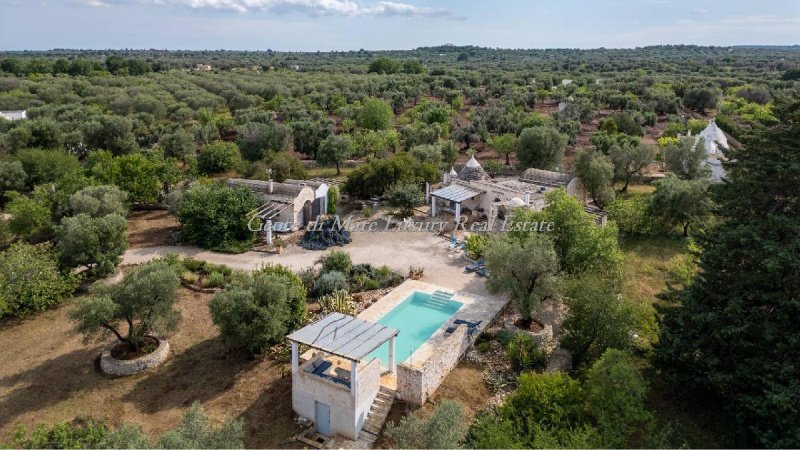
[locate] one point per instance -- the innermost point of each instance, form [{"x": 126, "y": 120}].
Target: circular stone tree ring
[{"x": 124, "y": 367}]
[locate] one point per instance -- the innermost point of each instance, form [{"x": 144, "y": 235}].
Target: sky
[{"x": 325, "y": 25}]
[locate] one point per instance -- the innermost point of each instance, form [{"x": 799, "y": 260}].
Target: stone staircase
[{"x": 377, "y": 416}]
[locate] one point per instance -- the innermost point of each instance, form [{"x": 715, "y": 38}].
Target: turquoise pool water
[{"x": 417, "y": 317}]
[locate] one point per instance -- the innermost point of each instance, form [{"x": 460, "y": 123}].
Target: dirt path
[{"x": 396, "y": 250}]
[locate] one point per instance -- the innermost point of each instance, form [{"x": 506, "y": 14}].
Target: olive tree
[
  {"x": 96, "y": 243},
  {"x": 375, "y": 114},
  {"x": 597, "y": 174},
  {"x": 446, "y": 427},
  {"x": 540, "y": 147},
  {"x": 99, "y": 201},
  {"x": 524, "y": 269},
  {"x": 405, "y": 196},
  {"x": 141, "y": 305},
  {"x": 334, "y": 150}
]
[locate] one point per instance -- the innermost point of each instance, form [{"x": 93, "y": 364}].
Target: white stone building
[
  {"x": 286, "y": 206},
  {"x": 320, "y": 188},
  {"x": 14, "y": 115},
  {"x": 471, "y": 191},
  {"x": 336, "y": 386}
]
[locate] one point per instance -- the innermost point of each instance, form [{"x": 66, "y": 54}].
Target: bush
[
  {"x": 476, "y": 245},
  {"x": 336, "y": 260},
  {"x": 196, "y": 430},
  {"x": 324, "y": 234},
  {"x": 333, "y": 199},
  {"x": 340, "y": 302},
  {"x": 45, "y": 166},
  {"x": 80, "y": 433},
  {"x": 218, "y": 157},
  {"x": 257, "y": 311},
  {"x": 214, "y": 279},
  {"x": 330, "y": 282},
  {"x": 215, "y": 217},
  {"x": 552, "y": 400},
  {"x": 524, "y": 354},
  {"x": 31, "y": 216},
  {"x": 30, "y": 280},
  {"x": 446, "y": 427},
  {"x": 12, "y": 177},
  {"x": 95, "y": 243}
]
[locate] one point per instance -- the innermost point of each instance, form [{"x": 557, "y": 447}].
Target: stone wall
[
  {"x": 120, "y": 367},
  {"x": 415, "y": 384}
]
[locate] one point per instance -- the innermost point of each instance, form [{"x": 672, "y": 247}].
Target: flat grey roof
[
  {"x": 456, "y": 193},
  {"x": 344, "y": 336}
]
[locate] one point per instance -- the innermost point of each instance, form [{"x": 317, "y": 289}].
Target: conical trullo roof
[
  {"x": 714, "y": 138},
  {"x": 472, "y": 170}
]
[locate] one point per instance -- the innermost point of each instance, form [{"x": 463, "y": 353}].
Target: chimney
[
  {"x": 269, "y": 186},
  {"x": 445, "y": 177},
  {"x": 527, "y": 198}
]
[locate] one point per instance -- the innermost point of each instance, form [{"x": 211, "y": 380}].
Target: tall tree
[
  {"x": 735, "y": 334},
  {"x": 597, "y": 174},
  {"x": 541, "y": 147},
  {"x": 334, "y": 150},
  {"x": 629, "y": 160},
  {"x": 681, "y": 202},
  {"x": 685, "y": 159}
]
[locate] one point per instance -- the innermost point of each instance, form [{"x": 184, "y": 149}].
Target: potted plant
[
  {"x": 278, "y": 244},
  {"x": 415, "y": 272}
]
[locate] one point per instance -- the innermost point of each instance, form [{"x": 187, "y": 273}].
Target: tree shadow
[
  {"x": 200, "y": 373},
  {"x": 269, "y": 420},
  {"x": 51, "y": 382}
]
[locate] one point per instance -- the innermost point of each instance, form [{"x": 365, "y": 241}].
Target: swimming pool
[{"x": 417, "y": 317}]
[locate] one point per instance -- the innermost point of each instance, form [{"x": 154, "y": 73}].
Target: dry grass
[
  {"x": 47, "y": 375},
  {"x": 150, "y": 228},
  {"x": 645, "y": 265}
]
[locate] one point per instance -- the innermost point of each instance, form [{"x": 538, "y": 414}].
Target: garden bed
[{"x": 119, "y": 360}]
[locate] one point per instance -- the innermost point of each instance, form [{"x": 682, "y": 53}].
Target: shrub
[
  {"x": 476, "y": 245},
  {"x": 405, "y": 196},
  {"x": 12, "y": 177},
  {"x": 196, "y": 430},
  {"x": 330, "y": 282},
  {"x": 552, "y": 400},
  {"x": 215, "y": 217},
  {"x": 214, "y": 279},
  {"x": 336, "y": 260},
  {"x": 30, "y": 280},
  {"x": 31, "y": 216},
  {"x": 340, "y": 302},
  {"x": 45, "y": 166},
  {"x": 143, "y": 304},
  {"x": 324, "y": 234},
  {"x": 446, "y": 427},
  {"x": 95, "y": 243},
  {"x": 524, "y": 354},
  {"x": 333, "y": 199},
  {"x": 80, "y": 433},
  {"x": 189, "y": 277},
  {"x": 257, "y": 311}
]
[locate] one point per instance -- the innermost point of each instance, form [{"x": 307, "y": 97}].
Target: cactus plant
[{"x": 340, "y": 301}]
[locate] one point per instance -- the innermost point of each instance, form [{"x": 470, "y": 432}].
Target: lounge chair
[
  {"x": 474, "y": 266},
  {"x": 482, "y": 272},
  {"x": 320, "y": 369},
  {"x": 472, "y": 327}
]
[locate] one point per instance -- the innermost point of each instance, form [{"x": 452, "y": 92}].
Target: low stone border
[
  {"x": 200, "y": 289},
  {"x": 120, "y": 367}
]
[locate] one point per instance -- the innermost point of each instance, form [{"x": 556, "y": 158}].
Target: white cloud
[{"x": 310, "y": 7}]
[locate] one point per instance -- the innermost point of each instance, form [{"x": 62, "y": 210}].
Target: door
[{"x": 322, "y": 418}]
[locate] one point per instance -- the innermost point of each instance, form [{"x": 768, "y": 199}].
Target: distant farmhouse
[
  {"x": 202, "y": 67},
  {"x": 14, "y": 115}
]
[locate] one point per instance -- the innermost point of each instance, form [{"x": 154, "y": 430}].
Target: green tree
[
  {"x": 700, "y": 98},
  {"x": 94, "y": 243},
  {"x": 44, "y": 166},
  {"x": 285, "y": 166},
  {"x": 681, "y": 202},
  {"x": 112, "y": 133},
  {"x": 540, "y": 147},
  {"x": 307, "y": 135},
  {"x": 196, "y": 430},
  {"x": 145, "y": 177},
  {"x": 218, "y": 157},
  {"x": 616, "y": 394},
  {"x": 598, "y": 317},
  {"x": 383, "y": 65},
  {"x": 733, "y": 335},
  {"x": 179, "y": 144},
  {"x": 30, "y": 216},
  {"x": 552, "y": 400},
  {"x": 596, "y": 172},
  {"x": 142, "y": 305},
  {"x": 98, "y": 201},
  {"x": 215, "y": 217},
  {"x": 629, "y": 160},
  {"x": 427, "y": 153},
  {"x": 406, "y": 197},
  {"x": 30, "y": 280},
  {"x": 686, "y": 159},
  {"x": 256, "y": 312},
  {"x": 632, "y": 215},
  {"x": 375, "y": 114},
  {"x": 333, "y": 199},
  {"x": 504, "y": 144},
  {"x": 524, "y": 269},
  {"x": 334, "y": 150},
  {"x": 580, "y": 244},
  {"x": 255, "y": 140},
  {"x": 336, "y": 260},
  {"x": 12, "y": 177},
  {"x": 445, "y": 427}
]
